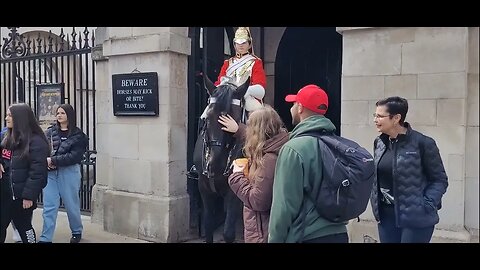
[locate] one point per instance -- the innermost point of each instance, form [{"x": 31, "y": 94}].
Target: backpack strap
[
  {"x": 306, "y": 192},
  {"x": 316, "y": 134}
]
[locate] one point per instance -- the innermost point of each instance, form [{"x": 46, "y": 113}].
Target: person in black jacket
[
  {"x": 15, "y": 236},
  {"x": 68, "y": 144},
  {"x": 410, "y": 178},
  {"x": 23, "y": 171}
]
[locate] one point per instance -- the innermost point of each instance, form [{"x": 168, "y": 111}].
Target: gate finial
[{"x": 15, "y": 46}]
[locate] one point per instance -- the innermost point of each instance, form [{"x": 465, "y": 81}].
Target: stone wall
[
  {"x": 472, "y": 137},
  {"x": 141, "y": 184},
  {"x": 436, "y": 69}
]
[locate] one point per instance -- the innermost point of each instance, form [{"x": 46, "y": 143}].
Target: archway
[{"x": 309, "y": 55}]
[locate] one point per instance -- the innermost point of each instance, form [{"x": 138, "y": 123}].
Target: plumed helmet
[{"x": 242, "y": 35}]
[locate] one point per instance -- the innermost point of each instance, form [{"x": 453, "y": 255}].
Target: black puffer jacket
[
  {"x": 419, "y": 179},
  {"x": 71, "y": 150},
  {"x": 27, "y": 176}
]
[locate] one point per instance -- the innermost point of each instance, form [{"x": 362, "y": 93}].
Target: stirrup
[{"x": 192, "y": 173}]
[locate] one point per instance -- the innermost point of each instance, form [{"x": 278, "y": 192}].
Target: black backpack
[{"x": 348, "y": 171}]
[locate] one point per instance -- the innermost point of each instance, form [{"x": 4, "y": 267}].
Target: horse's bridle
[{"x": 207, "y": 144}]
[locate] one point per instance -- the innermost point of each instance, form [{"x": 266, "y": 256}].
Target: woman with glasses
[{"x": 410, "y": 178}]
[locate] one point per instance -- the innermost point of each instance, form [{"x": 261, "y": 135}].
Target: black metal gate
[
  {"x": 39, "y": 58},
  {"x": 207, "y": 56}
]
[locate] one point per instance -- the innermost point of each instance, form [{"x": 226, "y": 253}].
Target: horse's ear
[
  {"x": 209, "y": 86},
  {"x": 242, "y": 89}
]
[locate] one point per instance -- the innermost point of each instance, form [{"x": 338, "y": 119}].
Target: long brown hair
[
  {"x": 262, "y": 125},
  {"x": 24, "y": 126}
]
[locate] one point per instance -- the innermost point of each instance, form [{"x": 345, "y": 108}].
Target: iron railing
[{"x": 39, "y": 58}]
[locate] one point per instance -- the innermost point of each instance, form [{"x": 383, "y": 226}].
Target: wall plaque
[{"x": 135, "y": 94}]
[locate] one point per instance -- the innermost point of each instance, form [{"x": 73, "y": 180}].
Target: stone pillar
[
  {"x": 427, "y": 66},
  {"x": 472, "y": 138},
  {"x": 141, "y": 186}
]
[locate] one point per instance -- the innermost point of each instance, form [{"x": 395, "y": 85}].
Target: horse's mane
[{"x": 224, "y": 95}]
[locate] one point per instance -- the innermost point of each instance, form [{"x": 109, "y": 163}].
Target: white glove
[
  {"x": 253, "y": 93},
  {"x": 252, "y": 104},
  {"x": 256, "y": 91},
  {"x": 226, "y": 79}
]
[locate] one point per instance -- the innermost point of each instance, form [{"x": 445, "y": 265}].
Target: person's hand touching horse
[{"x": 230, "y": 125}]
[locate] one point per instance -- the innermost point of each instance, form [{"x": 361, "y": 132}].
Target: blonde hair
[{"x": 262, "y": 125}]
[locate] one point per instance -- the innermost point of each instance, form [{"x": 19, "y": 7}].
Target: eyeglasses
[{"x": 380, "y": 116}]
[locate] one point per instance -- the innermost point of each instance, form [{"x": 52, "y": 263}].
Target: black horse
[{"x": 214, "y": 152}]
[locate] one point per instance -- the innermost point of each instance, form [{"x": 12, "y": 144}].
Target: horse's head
[{"x": 225, "y": 99}]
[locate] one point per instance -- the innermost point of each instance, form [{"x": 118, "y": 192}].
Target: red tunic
[{"x": 257, "y": 76}]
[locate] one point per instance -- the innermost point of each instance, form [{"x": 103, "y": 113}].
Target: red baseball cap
[{"x": 311, "y": 97}]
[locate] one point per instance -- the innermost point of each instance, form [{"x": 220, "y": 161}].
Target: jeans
[
  {"x": 390, "y": 233},
  {"x": 64, "y": 183}
]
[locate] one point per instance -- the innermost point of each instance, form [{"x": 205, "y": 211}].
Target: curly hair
[{"x": 262, "y": 125}]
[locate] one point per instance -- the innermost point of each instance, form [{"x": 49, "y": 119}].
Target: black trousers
[
  {"x": 333, "y": 238},
  {"x": 13, "y": 210}
]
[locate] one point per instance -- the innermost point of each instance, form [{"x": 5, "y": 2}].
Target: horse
[{"x": 214, "y": 152}]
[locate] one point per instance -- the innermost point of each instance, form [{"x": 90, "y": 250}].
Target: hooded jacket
[{"x": 299, "y": 169}]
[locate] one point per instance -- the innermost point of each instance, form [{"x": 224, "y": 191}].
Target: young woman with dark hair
[
  {"x": 23, "y": 170},
  {"x": 68, "y": 144}
]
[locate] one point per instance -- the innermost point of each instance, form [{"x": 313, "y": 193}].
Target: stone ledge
[
  {"x": 97, "y": 203},
  {"x": 162, "y": 42},
  {"x": 97, "y": 53},
  {"x": 146, "y": 217},
  {"x": 444, "y": 236},
  {"x": 344, "y": 29}
]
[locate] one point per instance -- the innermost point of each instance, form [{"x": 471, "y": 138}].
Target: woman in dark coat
[
  {"x": 410, "y": 179},
  {"x": 23, "y": 171},
  {"x": 68, "y": 144}
]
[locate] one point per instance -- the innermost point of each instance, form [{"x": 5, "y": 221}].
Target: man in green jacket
[{"x": 293, "y": 217}]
